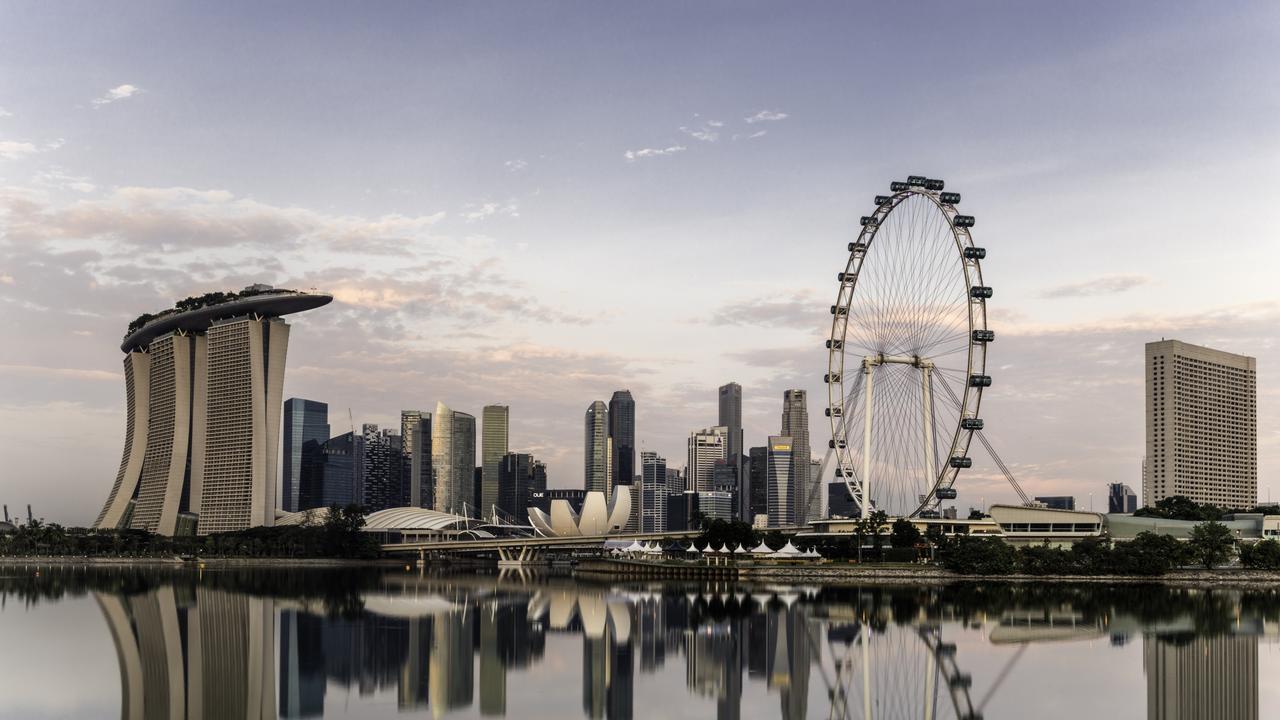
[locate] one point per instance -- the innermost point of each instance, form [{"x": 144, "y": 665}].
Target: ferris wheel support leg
[
  {"x": 926, "y": 395},
  {"x": 866, "y": 671},
  {"x": 865, "y": 481},
  {"x": 930, "y": 692}
]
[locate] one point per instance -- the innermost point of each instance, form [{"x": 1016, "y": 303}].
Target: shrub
[
  {"x": 977, "y": 556},
  {"x": 1263, "y": 555}
]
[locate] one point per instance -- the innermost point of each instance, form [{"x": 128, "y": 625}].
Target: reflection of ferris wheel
[
  {"x": 907, "y": 353},
  {"x": 902, "y": 673}
]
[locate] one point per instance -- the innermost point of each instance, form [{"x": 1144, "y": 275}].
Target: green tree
[
  {"x": 1264, "y": 555},
  {"x": 971, "y": 555},
  {"x": 1179, "y": 507},
  {"x": 904, "y": 534},
  {"x": 1211, "y": 544}
]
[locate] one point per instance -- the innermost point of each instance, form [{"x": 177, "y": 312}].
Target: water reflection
[{"x": 265, "y": 645}]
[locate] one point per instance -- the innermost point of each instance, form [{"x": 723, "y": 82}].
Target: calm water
[{"x": 368, "y": 644}]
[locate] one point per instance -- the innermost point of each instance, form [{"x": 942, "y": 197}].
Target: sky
[{"x": 536, "y": 204}]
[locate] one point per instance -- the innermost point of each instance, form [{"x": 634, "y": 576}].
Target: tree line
[{"x": 336, "y": 535}]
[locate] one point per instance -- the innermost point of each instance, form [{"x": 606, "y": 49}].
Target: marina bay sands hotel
[{"x": 203, "y": 384}]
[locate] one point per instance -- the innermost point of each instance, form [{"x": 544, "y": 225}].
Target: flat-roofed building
[{"x": 1201, "y": 417}]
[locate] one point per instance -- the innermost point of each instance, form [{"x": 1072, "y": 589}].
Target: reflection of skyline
[
  {"x": 1201, "y": 677},
  {"x": 428, "y": 645}
]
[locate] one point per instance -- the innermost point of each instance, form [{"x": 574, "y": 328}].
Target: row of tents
[{"x": 653, "y": 549}]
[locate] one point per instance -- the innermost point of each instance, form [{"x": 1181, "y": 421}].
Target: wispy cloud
[
  {"x": 516, "y": 165},
  {"x": 766, "y": 116},
  {"x": 473, "y": 212},
  {"x": 708, "y": 131},
  {"x": 119, "y": 92},
  {"x": 1104, "y": 285},
  {"x": 5, "y": 113},
  {"x": 12, "y": 149},
  {"x": 633, "y": 155},
  {"x": 752, "y": 136}
]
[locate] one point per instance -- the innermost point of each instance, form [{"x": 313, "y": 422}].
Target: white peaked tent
[
  {"x": 762, "y": 549},
  {"x": 738, "y": 549},
  {"x": 722, "y": 550},
  {"x": 706, "y": 550},
  {"x": 788, "y": 550},
  {"x": 634, "y": 547},
  {"x": 811, "y": 553},
  {"x": 653, "y": 549}
]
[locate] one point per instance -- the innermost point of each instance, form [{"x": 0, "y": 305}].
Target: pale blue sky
[{"x": 458, "y": 175}]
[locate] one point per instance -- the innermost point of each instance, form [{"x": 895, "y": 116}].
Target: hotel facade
[{"x": 203, "y": 390}]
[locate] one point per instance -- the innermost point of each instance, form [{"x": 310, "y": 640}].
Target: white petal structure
[{"x": 598, "y": 517}]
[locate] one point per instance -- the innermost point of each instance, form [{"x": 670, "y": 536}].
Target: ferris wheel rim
[{"x": 975, "y": 352}]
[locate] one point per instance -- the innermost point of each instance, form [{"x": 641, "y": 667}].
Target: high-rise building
[
  {"x": 758, "y": 482},
  {"x": 1202, "y": 425},
  {"x": 705, "y": 448},
  {"x": 840, "y": 502},
  {"x": 385, "y": 470},
  {"x": 495, "y": 423},
  {"x": 453, "y": 459},
  {"x": 730, "y": 417},
  {"x": 782, "y": 491},
  {"x": 1058, "y": 502},
  {"x": 306, "y": 428},
  {"x": 203, "y": 386},
  {"x": 1121, "y": 498},
  {"x": 816, "y": 509},
  {"x": 795, "y": 425},
  {"x": 595, "y": 448},
  {"x": 653, "y": 492},
  {"x": 341, "y": 478},
  {"x": 515, "y": 478},
  {"x": 622, "y": 430},
  {"x": 675, "y": 481},
  {"x": 415, "y": 441}
]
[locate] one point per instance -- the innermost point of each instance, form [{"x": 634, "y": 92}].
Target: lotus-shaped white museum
[{"x": 597, "y": 518}]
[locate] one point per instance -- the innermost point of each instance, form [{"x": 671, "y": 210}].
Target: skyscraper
[
  {"x": 415, "y": 442},
  {"x": 306, "y": 428},
  {"x": 203, "y": 386},
  {"x": 384, "y": 470},
  {"x": 782, "y": 491},
  {"x": 495, "y": 422},
  {"x": 1121, "y": 498},
  {"x": 731, "y": 419},
  {"x": 1202, "y": 432},
  {"x": 622, "y": 430},
  {"x": 453, "y": 459},
  {"x": 341, "y": 477},
  {"x": 795, "y": 424},
  {"x": 653, "y": 492},
  {"x": 705, "y": 448},
  {"x": 515, "y": 478},
  {"x": 596, "y": 458},
  {"x": 758, "y": 482}
]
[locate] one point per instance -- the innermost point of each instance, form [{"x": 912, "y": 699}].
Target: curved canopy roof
[
  {"x": 413, "y": 518},
  {"x": 272, "y": 304}
]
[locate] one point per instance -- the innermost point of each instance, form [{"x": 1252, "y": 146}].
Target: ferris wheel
[{"x": 907, "y": 355}]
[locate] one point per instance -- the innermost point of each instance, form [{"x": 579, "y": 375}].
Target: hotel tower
[{"x": 203, "y": 386}]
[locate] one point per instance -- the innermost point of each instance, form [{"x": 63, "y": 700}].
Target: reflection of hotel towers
[
  {"x": 1204, "y": 677},
  {"x": 787, "y": 662},
  {"x": 204, "y": 657},
  {"x": 608, "y": 677}
]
